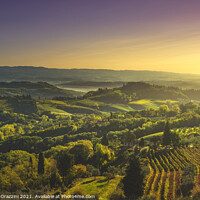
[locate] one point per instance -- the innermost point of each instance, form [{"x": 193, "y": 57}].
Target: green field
[
  {"x": 89, "y": 103},
  {"x": 61, "y": 107},
  {"x": 54, "y": 110},
  {"x": 96, "y": 186},
  {"x": 123, "y": 108},
  {"x": 147, "y": 103}
]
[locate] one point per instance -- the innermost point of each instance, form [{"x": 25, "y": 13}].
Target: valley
[{"x": 98, "y": 134}]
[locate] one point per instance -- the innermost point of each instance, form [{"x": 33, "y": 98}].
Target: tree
[
  {"x": 82, "y": 151},
  {"x": 31, "y": 162},
  {"x": 1, "y": 136},
  {"x": 10, "y": 180},
  {"x": 55, "y": 179},
  {"x": 141, "y": 142},
  {"x": 96, "y": 172},
  {"x": 92, "y": 171},
  {"x": 52, "y": 180},
  {"x": 155, "y": 140},
  {"x": 102, "y": 155},
  {"x": 108, "y": 175},
  {"x": 176, "y": 108},
  {"x": 187, "y": 181},
  {"x": 134, "y": 180},
  {"x": 117, "y": 194},
  {"x": 129, "y": 138},
  {"x": 175, "y": 138},
  {"x": 41, "y": 164},
  {"x": 66, "y": 138},
  {"x": 65, "y": 161},
  {"x": 30, "y": 169},
  {"x": 104, "y": 140},
  {"x": 163, "y": 110},
  {"x": 112, "y": 170},
  {"x": 166, "y": 135}
]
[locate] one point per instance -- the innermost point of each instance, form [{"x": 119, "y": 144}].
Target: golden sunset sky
[{"x": 159, "y": 35}]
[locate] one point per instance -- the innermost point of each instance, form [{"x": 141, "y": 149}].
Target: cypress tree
[
  {"x": 104, "y": 140},
  {"x": 30, "y": 168},
  {"x": 65, "y": 161},
  {"x": 53, "y": 179},
  {"x": 166, "y": 135},
  {"x": 30, "y": 162},
  {"x": 134, "y": 180},
  {"x": 41, "y": 164}
]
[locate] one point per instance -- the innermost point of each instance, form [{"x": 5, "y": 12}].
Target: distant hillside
[
  {"x": 86, "y": 86},
  {"x": 128, "y": 97},
  {"x": 27, "y": 73},
  {"x": 182, "y": 84},
  {"x": 134, "y": 91},
  {"x": 190, "y": 88},
  {"x": 92, "y": 84},
  {"x": 28, "y": 105},
  {"x": 147, "y": 91},
  {"x": 132, "y": 96},
  {"x": 18, "y": 104},
  {"x": 39, "y": 90}
]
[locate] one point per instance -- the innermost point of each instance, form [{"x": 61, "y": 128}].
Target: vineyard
[
  {"x": 166, "y": 169},
  {"x": 187, "y": 131}
]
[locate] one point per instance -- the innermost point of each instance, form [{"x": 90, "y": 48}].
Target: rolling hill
[
  {"x": 54, "y": 75},
  {"x": 131, "y": 96},
  {"x": 128, "y": 97},
  {"x": 38, "y": 89}
]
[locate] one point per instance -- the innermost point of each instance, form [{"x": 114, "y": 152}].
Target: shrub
[{"x": 117, "y": 194}]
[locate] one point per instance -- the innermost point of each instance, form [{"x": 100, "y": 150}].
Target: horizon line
[{"x": 75, "y": 68}]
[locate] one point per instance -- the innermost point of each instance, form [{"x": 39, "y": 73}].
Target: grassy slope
[
  {"x": 48, "y": 107},
  {"x": 131, "y": 106},
  {"x": 89, "y": 106},
  {"x": 88, "y": 103},
  {"x": 121, "y": 107},
  {"x": 105, "y": 107},
  {"x": 62, "y": 107},
  {"x": 147, "y": 103},
  {"x": 99, "y": 186},
  {"x": 134, "y": 105},
  {"x": 56, "y": 107},
  {"x": 132, "y": 96},
  {"x": 105, "y": 102}
]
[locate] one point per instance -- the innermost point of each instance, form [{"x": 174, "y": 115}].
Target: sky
[{"x": 158, "y": 35}]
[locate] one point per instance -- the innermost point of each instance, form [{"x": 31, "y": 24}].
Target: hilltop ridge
[{"x": 30, "y": 73}]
